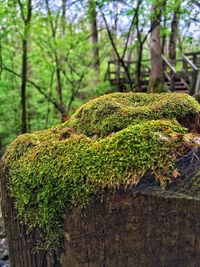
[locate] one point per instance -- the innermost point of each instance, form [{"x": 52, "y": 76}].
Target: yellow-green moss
[
  {"x": 110, "y": 113},
  {"x": 59, "y": 168}
]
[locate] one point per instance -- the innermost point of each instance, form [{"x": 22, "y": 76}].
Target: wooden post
[
  {"x": 21, "y": 244},
  {"x": 172, "y": 81}
]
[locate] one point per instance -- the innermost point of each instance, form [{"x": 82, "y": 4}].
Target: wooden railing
[
  {"x": 191, "y": 71},
  {"x": 169, "y": 72},
  {"x": 185, "y": 70},
  {"x": 194, "y": 57},
  {"x": 115, "y": 70}
]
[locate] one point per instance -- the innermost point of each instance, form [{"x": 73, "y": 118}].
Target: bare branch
[
  {"x": 21, "y": 10},
  {"x": 29, "y": 7},
  {"x": 130, "y": 28},
  {"x": 121, "y": 61},
  {"x": 53, "y": 28}
]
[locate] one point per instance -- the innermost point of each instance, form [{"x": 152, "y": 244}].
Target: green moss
[
  {"x": 111, "y": 113},
  {"x": 53, "y": 170}
]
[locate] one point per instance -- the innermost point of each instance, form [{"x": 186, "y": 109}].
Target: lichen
[{"x": 53, "y": 170}]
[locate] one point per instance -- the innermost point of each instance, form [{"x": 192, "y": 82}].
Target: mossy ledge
[{"x": 111, "y": 141}]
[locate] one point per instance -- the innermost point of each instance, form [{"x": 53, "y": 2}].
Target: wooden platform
[{"x": 183, "y": 76}]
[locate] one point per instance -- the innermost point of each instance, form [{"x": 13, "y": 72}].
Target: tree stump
[
  {"x": 117, "y": 185},
  {"x": 142, "y": 226}
]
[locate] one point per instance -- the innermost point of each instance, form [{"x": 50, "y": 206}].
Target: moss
[
  {"x": 56, "y": 169},
  {"x": 111, "y": 113}
]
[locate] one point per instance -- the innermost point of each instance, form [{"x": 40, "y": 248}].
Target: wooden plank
[
  {"x": 194, "y": 67},
  {"x": 169, "y": 64}
]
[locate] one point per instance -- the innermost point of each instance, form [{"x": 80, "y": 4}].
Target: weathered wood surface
[{"x": 134, "y": 230}]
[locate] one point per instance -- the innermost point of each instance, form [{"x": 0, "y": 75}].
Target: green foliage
[
  {"x": 75, "y": 73},
  {"x": 54, "y": 170},
  {"x": 9, "y": 114}
]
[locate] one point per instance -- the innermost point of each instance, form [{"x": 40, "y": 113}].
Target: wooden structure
[
  {"x": 182, "y": 76},
  {"x": 143, "y": 226}
]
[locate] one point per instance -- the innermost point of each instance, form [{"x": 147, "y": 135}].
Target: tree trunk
[
  {"x": 164, "y": 39},
  {"x": 23, "y": 87},
  {"x": 156, "y": 80},
  {"x": 63, "y": 18},
  {"x": 94, "y": 31},
  {"x": 174, "y": 36},
  {"x": 26, "y": 21},
  {"x": 59, "y": 82},
  {"x": 59, "y": 88},
  {"x": 139, "y": 66},
  {"x": 139, "y": 57}
]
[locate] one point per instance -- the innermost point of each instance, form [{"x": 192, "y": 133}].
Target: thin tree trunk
[
  {"x": 156, "y": 54},
  {"x": 139, "y": 57},
  {"x": 59, "y": 82},
  {"x": 164, "y": 39},
  {"x": 26, "y": 21},
  {"x": 64, "y": 8},
  {"x": 60, "y": 89},
  {"x": 139, "y": 66},
  {"x": 95, "y": 41},
  {"x": 131, "y": 50},
  {"x": 23, "y": 87},
  {"x": 174, "y": 35}
]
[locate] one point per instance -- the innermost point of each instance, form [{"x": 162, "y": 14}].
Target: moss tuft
[
  {"x": 114, "y": 112},
  {"x": 59, "y": 168}
]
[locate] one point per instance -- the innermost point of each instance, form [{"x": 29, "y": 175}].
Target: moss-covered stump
[{"x": 110, "y": 187}]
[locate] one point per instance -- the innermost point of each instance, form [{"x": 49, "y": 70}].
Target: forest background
[{"x": 54, "y": 54}]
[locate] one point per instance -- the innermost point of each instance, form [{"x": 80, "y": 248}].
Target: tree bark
[
  {"x": 174, "y": 35},
  {"x": 95, "y": 41},
  {"x": 164, "y": 39},
  {"x": 26, "y": 21},
  {"x": 139, "y": 66},
  {"x": 139, "y": 57},
  {"x": 23, "y": 87},
  {"x": 156, "y": 54}
]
